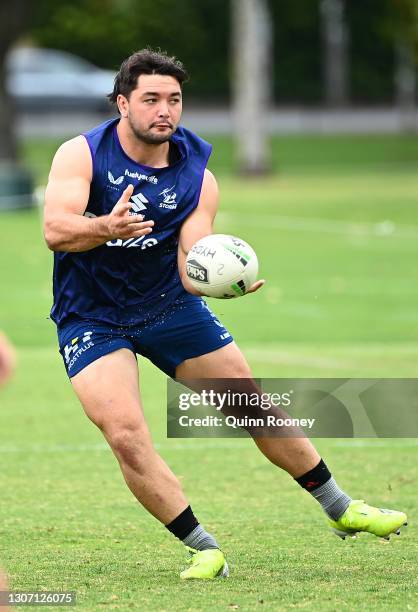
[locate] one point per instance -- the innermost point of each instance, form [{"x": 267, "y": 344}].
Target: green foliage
[
  {"x": 402, "y": 22},
  {"x": 107, "y": 31},
  {"x": 297, "y": 51},
  {"x": 372, "y": 57}
]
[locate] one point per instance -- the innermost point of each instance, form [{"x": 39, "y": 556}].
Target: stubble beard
[{"x": 147, "y": 136}]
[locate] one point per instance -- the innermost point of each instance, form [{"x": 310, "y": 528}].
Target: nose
[{"x": 163, "y": 109}]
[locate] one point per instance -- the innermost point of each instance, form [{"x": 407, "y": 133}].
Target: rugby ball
[{"x": 222, "y": 266}]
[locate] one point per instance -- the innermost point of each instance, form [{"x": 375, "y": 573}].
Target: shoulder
[
  {"x": 74, "y": 146},
  {"x": 73, "y": 157},
  {"x": 209, "y": 182},
  {"x": 209, "y": 194}
]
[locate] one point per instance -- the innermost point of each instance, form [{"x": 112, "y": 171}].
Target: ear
[{"x": 123, "y": 105}]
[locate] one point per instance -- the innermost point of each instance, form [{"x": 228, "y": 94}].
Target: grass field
[{"x": 336, "y": 232}]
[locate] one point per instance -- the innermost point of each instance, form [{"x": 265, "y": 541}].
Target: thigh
[
  {"x": 108, "y": 389},
  {"x": 226, "y": 362}
]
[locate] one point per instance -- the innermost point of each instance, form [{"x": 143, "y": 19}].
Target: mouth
[{"x": 162, "y": 125}]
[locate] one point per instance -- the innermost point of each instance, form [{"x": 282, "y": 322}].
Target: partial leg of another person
[
  {"x": 298, "y": 456},
  {"x": 109, "y": 392},
  {"x": 3, "y": 589}
]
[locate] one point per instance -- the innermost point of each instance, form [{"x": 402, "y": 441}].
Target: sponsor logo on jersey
[
  {"x": 225, "y": 336},
  {"x": 113, "y": 180},
  {"x": 196, "y": 271},
  {"x": 142, "y": 177},
  {"x": 138, "y": 202},
  {"x": 141, "y": 242}
]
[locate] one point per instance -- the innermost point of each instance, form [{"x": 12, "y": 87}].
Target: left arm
[{"x": 199, "y": 224}]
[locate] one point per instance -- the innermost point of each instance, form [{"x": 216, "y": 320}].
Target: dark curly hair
[{"x": 145, "y": 61}]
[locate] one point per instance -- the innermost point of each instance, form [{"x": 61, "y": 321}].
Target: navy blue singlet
[{"x": 126, "y": 282}]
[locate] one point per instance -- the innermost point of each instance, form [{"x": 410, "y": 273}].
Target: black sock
[
  {"x": 315, "y": 478},
  {"x": 187, "y": 528},
  {"x": 183, "y": 524}
]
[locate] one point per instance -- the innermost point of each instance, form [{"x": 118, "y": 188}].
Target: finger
[
  {"x": 135, "y": 225},
  {"x": 122, "y": 209},
  {"x": 128, "y": 232},
  {"x": 126, "y": 194},
  {"x": 256, "y": 286},
  {"x": 135, "y": 218},
  {"x": 141, "y": 232}
]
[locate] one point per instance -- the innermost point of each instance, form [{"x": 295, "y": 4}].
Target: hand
[
  {"x": 123, "y": 225},
  {"x": 7, "y": 359},
  {"x": 257, "y": 285}
]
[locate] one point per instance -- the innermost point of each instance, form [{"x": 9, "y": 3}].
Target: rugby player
[{"x": 125, "y": 203}]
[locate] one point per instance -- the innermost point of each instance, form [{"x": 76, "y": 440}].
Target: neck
[{"x": 154, "y": 155}]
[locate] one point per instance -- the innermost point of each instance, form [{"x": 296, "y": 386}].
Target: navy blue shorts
[{"x": 185, "y": 330}]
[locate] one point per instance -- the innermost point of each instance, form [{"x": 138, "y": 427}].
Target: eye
[{"x": 150, "y": 100}]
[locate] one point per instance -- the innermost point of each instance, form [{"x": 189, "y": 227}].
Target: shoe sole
[{"x": 223, "y": 572}]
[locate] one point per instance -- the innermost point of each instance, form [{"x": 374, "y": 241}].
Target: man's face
[{"x": 154, "y": 108}]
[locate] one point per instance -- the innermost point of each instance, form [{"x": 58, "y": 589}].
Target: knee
[
  {"x": 240, "y": 370},
  {"x": 131, "y": 446}
]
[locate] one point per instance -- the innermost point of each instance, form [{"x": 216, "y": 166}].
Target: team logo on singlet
[{"x": 169, "y": 198}]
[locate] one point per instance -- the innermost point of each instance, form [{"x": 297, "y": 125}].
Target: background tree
[
  {"x": 296, "y": 52},
  {"x": 107, "y": 31},
  {"x": 335, "y": 51},
  {"x": 15, "y": 184},
  {"x": 401, "y": 27},
  {"x": 251, "y": 78}
]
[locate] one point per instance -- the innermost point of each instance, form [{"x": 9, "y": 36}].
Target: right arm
[{"x": 66, "y": 198}]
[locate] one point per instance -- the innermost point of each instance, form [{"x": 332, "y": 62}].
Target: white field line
[
  {"x": 102, "y": 446},
  {"x": 201, "y": 444},
  {"x": 379, "y": 443},
  {"x": 381, "y": 229}
]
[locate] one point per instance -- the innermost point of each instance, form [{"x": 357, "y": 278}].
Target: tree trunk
[
  {"x": 8, "y": 144},
  {"x": 406, "y": 85},
  {"x": 251, "y": 52},
  {"x": 335, "y": 52},
  {"x": 13, "y": 18},
  {"x": 15, "y": 181}
]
